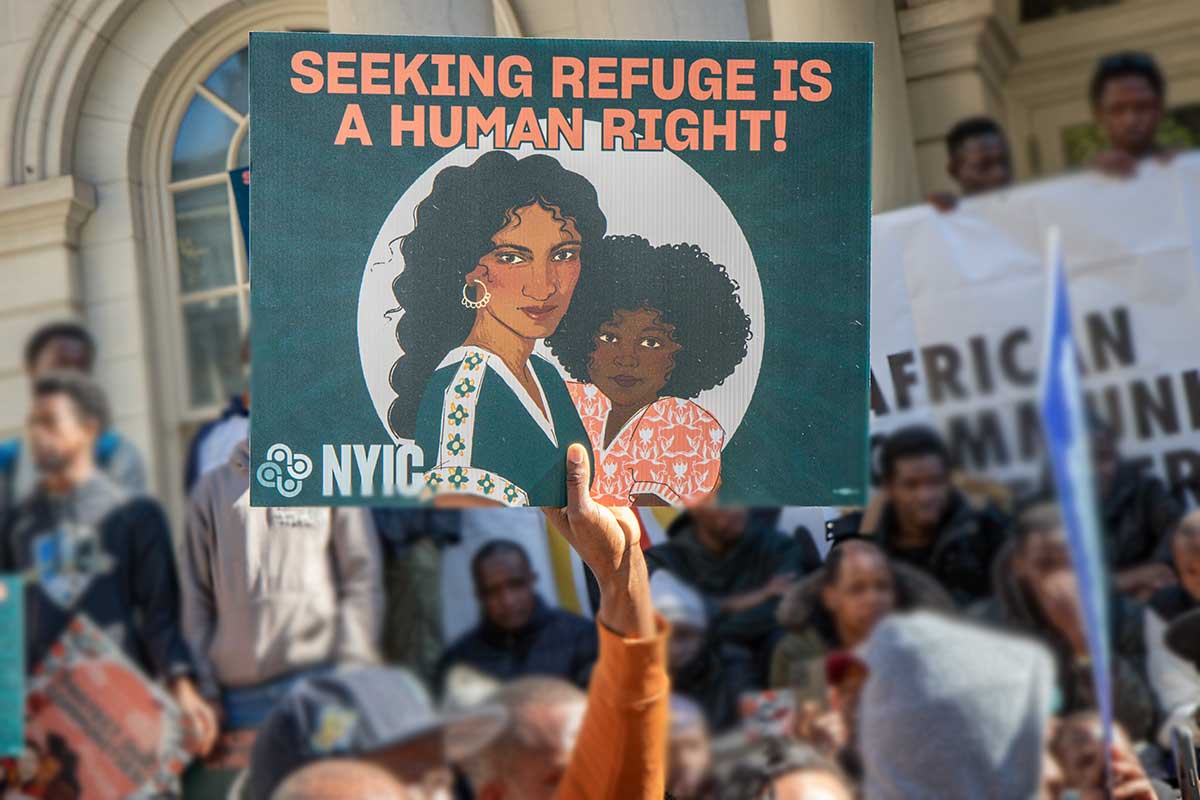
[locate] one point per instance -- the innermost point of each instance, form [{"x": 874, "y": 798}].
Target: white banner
[{"x": 957, "y": 306}]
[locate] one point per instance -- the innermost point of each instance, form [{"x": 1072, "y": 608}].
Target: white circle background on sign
[{"x": 654, "y": 194}]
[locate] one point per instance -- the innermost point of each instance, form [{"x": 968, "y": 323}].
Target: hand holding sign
[{"x": 607, "y": 541}]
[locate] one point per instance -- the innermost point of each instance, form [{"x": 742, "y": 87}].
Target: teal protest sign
[
  {"x": 12, "y": 666},
  {"x": 470, "y": 253}
]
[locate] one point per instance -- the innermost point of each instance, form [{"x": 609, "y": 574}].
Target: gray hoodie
[
  {"x": 269, "y": 591},
  {"x": 952, "y": 710}
]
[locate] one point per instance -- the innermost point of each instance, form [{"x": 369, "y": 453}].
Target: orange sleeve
[{"x": 621, "y": 751}]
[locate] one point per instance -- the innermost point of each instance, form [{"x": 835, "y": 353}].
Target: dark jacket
[
  {"x": 761, "y": 554},
  {"x": 233, "y": 413},
  {"x": 400, "y": 528},
  {"x": 132, "y": 594},
  {"x": 554, "y": 642},
  {"x": 715, "y": 679},
  {"x": 1014, "y": 609},
  {"x": 1138, "y": 514},
  {"x": 961, "y": 554},
  {"x": 798, "y": 662}
]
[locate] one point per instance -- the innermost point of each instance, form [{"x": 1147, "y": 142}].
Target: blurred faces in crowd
[
  {"x": 62, "y": 345},
  {"x": 980, "y": 160},
  {"x": 916, "y": 483},
  {"x": 504, "y": 583},
  {"x": 528, "y": 760},
  {"x": 858, "y": 590},
  {"x": 689, "y": 753},
  {"x": 719, "y": 529},
  {"x": 1185, "y": 551},
  {"x": 1128, "y": 97}
]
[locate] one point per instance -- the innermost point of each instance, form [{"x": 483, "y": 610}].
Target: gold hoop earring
[{"x": 483, "y": 300}]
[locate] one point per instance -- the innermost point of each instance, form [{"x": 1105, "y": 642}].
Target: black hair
[
  {"x": 453, "y": 230},
  {"x": 496, "y": 547},
  {"x": 967, "y": 129},
  {"x": 1037, "y": 518},
  {"x": 1123, "y": 64},
  {"x": 86, "y": 395},
  {"x": 911, "y": 442},
  {"x": 712, "y": 335},
  {"x": 58, "y": 330},
  {"x": 832, "y": 569}
]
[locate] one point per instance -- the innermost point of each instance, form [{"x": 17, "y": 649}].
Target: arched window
[{"x": 213, "y": 275}]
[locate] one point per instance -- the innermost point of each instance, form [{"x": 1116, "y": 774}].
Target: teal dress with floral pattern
[{"x": 482, "y": 435}]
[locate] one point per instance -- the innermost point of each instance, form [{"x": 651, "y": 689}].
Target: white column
[
  {"x": 894, "y": 179},
  {"x": 660, "y": 19},
  {"x": 957, "y": 54},
  {"x": 39, "y": 269},
  {"x": 456, "y": 17}
]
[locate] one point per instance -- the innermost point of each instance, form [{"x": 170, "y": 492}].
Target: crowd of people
[{"x": 936, "y": 650}]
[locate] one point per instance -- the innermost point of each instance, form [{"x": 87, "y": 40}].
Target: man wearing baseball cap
[
  {"x": 384, "y": 716},
  {"x": 377, "y": 714}
]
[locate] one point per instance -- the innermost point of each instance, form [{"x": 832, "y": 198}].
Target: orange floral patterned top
[{"x": 671, "y": 449}]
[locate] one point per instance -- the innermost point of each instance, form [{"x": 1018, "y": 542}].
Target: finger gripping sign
[{"x": 471, "y": 253}]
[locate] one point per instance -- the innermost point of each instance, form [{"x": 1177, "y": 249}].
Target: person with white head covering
[
  {"x": 953, "y": 710},
  {"x": 710, "y": 673}
]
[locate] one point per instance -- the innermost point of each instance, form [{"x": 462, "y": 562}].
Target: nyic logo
[{"x": 284, "y": 470}]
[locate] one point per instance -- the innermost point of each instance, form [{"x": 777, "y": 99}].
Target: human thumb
[{"x": 578, "y": 479}]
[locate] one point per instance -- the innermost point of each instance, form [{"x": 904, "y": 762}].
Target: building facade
[{"x": 120, "y": 119}]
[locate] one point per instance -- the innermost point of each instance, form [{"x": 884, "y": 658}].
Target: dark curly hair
[
  {"x": 453, "y": 230},
  {"x": 684, "y": 285}
]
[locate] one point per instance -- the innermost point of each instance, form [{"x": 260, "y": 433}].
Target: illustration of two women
[{"x": 506, "y": 252}]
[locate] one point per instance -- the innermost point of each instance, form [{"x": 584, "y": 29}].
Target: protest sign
[
  {"x": 12, "y": 665},
  {"x": 975, "y": 281},
  {"x": 99, "y": 727},
  {"x": 470, "y": 253}
]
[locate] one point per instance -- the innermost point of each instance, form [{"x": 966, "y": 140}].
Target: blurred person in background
[
  {"x": 831, "y": 728},
  {"x": 66, "y": 346},
  {"x": 713, "y": 674},
  {"x": 927, "y": 523},
  {"x": 273, "y": 594},
  {"x": 378, "y": 715},
  {"x": 94, "y": 549},
  {"x": 952, "y": 709},
  {"x": 518, "y": 633},
  {"x": 689, "y": 753},
  {"x": 1128, "y": 98},
  {"x": 1175, "y": 681},
  {"x": 412, "y": 541},
  {"x": 1038, "y": 595},
  {"x": 341, "y": 779},
  {"x": 622, "y": 741},
  {"x": 979, "y": 160},
  {"x": 739, "y": 570},
  {"x": 215, "y": 440},
  {"x": 838, "y": 606},
  {"x": 1078, "y": 747},
  {"x": 781, "y": 769},
  {"x": 1138, "y": 515},
  {"x": 529, "y": 757}
]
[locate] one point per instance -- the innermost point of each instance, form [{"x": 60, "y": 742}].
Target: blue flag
[{"x": 1068, "y": 441}]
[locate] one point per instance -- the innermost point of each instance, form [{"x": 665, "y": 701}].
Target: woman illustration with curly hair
[
  {"x": 663, "y": 325},
  {"x": 489, "y": 269}
]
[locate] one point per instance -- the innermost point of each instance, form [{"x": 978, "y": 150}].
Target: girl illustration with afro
[
  {"x": 490, "y": 268},
  {"x": 663, "y": 325}
]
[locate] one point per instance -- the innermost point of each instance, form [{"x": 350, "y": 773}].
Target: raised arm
[{"x": 621, "y": 750}]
